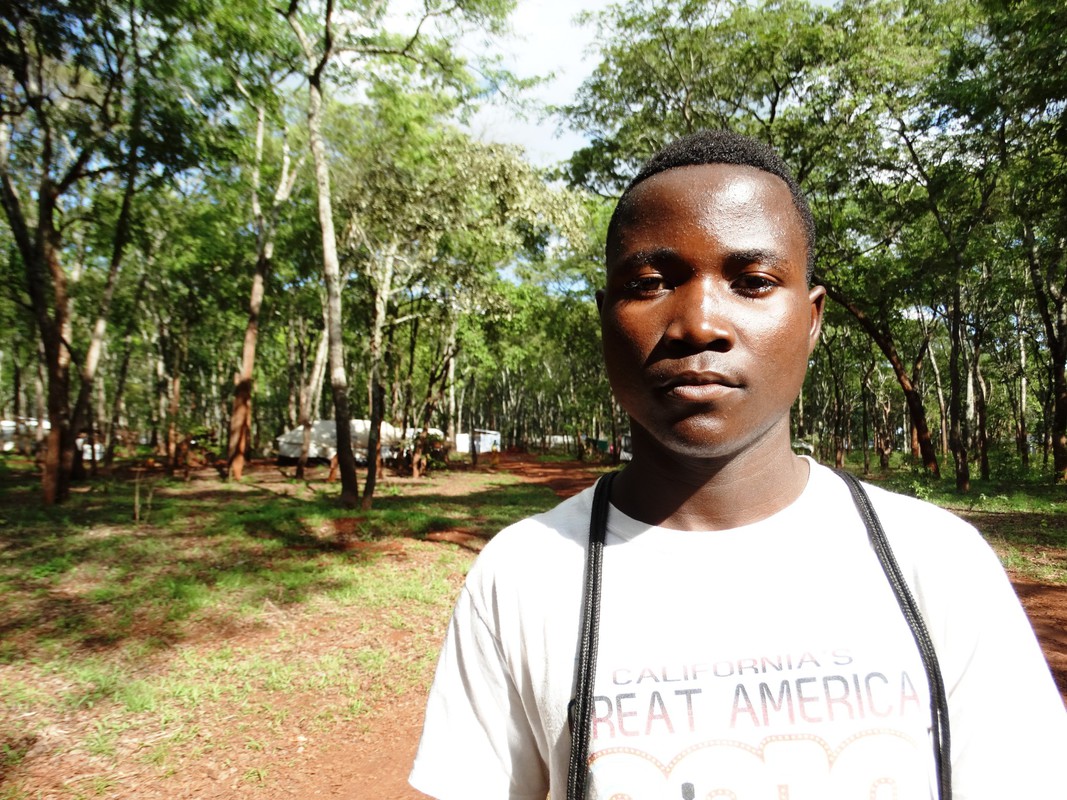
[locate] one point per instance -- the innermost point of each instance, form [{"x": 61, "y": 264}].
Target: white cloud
[{"x": 546, "y": 41}]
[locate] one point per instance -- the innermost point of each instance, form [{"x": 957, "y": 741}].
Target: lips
[{"x": 699, "y": 386}]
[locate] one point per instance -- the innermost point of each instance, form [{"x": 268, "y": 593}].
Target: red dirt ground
[{"x": 374, "y": 762}]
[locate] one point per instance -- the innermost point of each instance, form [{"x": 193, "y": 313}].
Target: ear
[{"x": 817, "y": 299}]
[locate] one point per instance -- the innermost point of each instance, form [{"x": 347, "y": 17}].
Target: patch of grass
[
  {"x": 256, "y": 775},
  {"x": 1024, "y": 520},
  {"x": 12, "y": 750},
  {"x": 1030, "y": 496},
  {"x": 19, "y": 695},
  {"x": 138, "y": 697},
  {"x": 104, "y": 738}
]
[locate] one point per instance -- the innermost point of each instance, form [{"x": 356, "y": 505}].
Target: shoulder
[
  {"x": 952, "y": 571},
  {"x": 532, "y": 558},
  {"x": 540, "y": 536},
  {"x": 918, "y": 529},
  {"x": 923, "y": 532}
]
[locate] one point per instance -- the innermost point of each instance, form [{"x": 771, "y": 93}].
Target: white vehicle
[{"x": 323, "y": 445}]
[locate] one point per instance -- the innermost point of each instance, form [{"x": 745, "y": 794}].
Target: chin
[{"x": 707, "y": 441}]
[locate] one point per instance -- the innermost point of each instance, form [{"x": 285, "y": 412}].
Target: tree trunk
[
  {"x": 911, "y": 395},
  {"x": 916, "y": 380},
  {"x": 981, "y": 415},
  {"x": 1022, "y": 440},
  {"x": 331, "y": 265},
  {"x": 241, "y": 416},
  {"x": 866, "y": 394},
  {"x": 46, "y": 283},
  {"x": 941, "y": 404},
  {"x": 1059, "y": 421},
  {"x": 1052, "y": 306},
  {"x": 310, "y": 392},
  {"x": 175, "y": 451},
  {"x": 266, "y": 226},
  {"x": 382, "y": 280},
  {"x": 958, "y": 428}
]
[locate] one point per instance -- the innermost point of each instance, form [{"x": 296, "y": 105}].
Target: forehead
[{"x": 728, "y": 200}]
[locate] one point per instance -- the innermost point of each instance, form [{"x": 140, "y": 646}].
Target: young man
[{"x": 750, "y": 644}]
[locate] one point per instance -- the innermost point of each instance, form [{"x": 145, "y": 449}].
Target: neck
[{"x": 708, "y": 494}]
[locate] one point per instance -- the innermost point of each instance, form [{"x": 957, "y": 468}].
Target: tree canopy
[{"x": 212, "y": 211}]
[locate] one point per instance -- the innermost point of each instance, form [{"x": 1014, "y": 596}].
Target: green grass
[{"x": 1024, "y": 520}]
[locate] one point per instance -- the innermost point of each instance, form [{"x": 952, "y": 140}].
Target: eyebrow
[
  {"x": 755, "y": 255},
  {"x": 771, "y": 258},
  {"x": 651, "y": 255}
]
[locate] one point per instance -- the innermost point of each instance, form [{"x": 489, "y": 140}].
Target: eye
[
  {"x": 753, "y": 284},
  {"x": 645, "y": 285}
]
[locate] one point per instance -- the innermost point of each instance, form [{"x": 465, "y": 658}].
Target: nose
[{"x": 700, "y": 318}]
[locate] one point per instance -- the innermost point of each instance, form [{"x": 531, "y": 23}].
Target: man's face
[{"x": 707, "y": 318}]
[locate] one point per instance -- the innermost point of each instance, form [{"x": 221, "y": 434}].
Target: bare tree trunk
[
  {"x": 159, "y": 443},
  {"x": 941, "y": 404},
  {"x": 382, "y": 270},
  {"x": 453, "y": 409},
  {"x": 1022, "y": 440},
  {"x": 174, "y": 448},
  {"x": 866, "y": 395},
  {"x": 331, "y": 265},
  {"x": 266, "y": 227},
  {"x": 916, "y": 380},
  {"x": 958, "y": 427}
]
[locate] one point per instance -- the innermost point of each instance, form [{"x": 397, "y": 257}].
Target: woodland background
[{"x": 223, "y": 220}]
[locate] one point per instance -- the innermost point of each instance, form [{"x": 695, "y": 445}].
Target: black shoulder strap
[
  {"x": 579, "y": 711},
  {"x": 939, "y": 726}
]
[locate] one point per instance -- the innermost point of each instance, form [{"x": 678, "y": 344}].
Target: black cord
[
  {"x": 939, "y": 725},
  {"x": 580, "y": 710}
]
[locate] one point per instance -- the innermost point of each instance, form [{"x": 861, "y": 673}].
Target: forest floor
[{"x": 293, "y": 753}]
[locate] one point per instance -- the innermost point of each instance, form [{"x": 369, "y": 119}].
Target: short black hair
[{"x": 720, "y": 147}]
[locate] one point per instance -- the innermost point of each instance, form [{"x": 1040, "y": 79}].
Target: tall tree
[
  {"x": 357, "y": 33},
  {"x": 433, "y": 215},
  {"x": 90, "y": 94},
  {"x": 1006, "y": 84}
]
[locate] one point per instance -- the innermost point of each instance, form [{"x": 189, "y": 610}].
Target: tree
[
  {"x": 89, "y": 96},
  {"x": 1007, "y": 86},
  {"x": 356, "y": 33},
  {"x": 432, "y": 216},
  {"x": 265, "y": 223}
]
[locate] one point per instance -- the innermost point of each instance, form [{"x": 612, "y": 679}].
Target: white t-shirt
[{"x": 768, "y": 662}]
